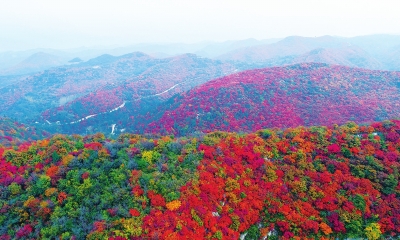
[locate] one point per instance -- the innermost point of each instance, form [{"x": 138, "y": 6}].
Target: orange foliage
[
  {"x": 52, "y": 171},
  {"x": 174, "y": 205},
  {"x": 61, "y": 197}
]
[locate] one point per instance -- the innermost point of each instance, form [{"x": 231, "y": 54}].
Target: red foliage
[
  {"x": 52, "y": 171},
  {"x": 24, "y": 231},
  {"x": 85, "y": 175},
  {"x": 61, "y": 197},
  {"x": 156, "y": 200},
  {"x": 112, "y": 211},
  {"x": 134, "y": 212},
  {"x": 334, "y": 148},
  {"x": 93, "y": 146}
]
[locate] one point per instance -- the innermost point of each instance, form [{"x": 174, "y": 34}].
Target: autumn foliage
[{"x": 297, "y": 183}]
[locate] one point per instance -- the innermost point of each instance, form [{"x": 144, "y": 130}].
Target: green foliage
[
  {"x": 389, "y": 184},
  {"x": 358, "y": 201},
  {"x": 253, "y": 233},
  {"x": 79, "y": 145},
  {"x": 14, "y": 188},
  {"x": 346, "y": 153},
  {"x": 56, "y": 157},
  {"x": 41, "y": 185}
]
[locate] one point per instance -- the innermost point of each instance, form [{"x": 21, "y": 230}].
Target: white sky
[{"x": 28, "y": 24}]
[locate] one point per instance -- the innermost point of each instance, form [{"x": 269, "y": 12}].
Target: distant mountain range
[
  {"x": 372, "y": 52},
  {"x": 20, "y": 62}
]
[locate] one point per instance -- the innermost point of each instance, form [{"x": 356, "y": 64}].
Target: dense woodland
[
  {"x": 298, "y": 183},
  {"x": 303, "y": 94}
]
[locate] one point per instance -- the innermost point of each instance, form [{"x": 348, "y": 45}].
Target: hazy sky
[{"x": 28, "y": 24}]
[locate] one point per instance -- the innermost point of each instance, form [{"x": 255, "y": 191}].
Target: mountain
[
  {"x": 69, "y": 93},
  {"x": 301, "y": 94},
  {"x": 129, "y": 102},
  {"x": 10, "y": 59},
  {"x": 142, "y": 94},
  {"x": 301, "y": 183},
  {"x": 34, "y": 63},
  {"x": 207, "y": 49},
  {"x": 75, "y": 60},
  {"x": 14, "y": 59},
  {"x": 289, "y": 46},
  {"x": 251, "y": 53},
  {"x": 372, "y": 52},
  {"x": 350, "y": 56},
  {"x": 57, "y": 86}
]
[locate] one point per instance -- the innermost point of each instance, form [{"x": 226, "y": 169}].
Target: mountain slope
[
  {"x": 70, "y": 93},
  {"x": 58, "y": 86},
  {"x": 301, "y": 94},
  {"x": 392, "y": 58},
  {"x": 130, "y": 102},
  {"x": 14, "y": 133}
]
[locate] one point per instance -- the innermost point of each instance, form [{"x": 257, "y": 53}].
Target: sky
[{"x": 62, "y": 24}]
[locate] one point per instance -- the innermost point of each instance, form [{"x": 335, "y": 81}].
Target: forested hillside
[
  {"x": 301, "y": 183},
  {"x": 13, "y": 133},
  {"x": 69, "y": 93},
  {"x": 302, "y": 94}
]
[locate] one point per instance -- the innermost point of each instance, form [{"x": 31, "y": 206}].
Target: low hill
[{"x": 302, "y": 94}]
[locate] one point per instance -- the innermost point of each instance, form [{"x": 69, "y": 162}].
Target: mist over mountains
[{"x": 373, "y": 52}]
